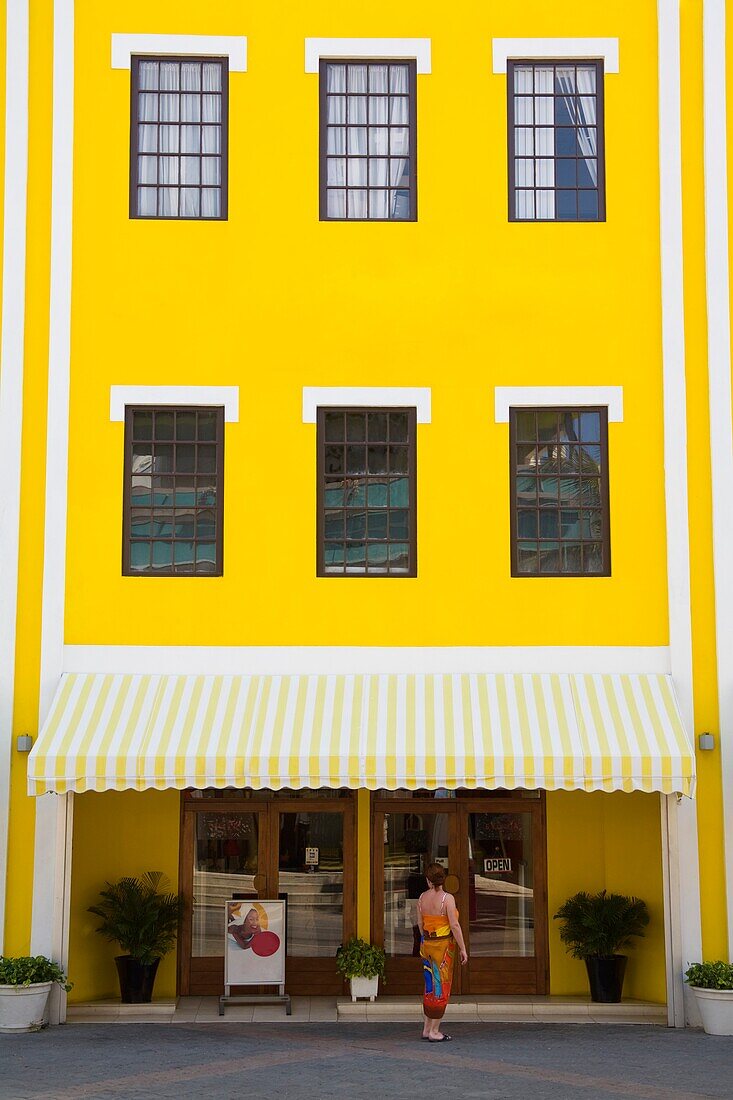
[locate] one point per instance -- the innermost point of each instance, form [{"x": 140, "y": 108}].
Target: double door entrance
[
  {"x": 301, "y": 846},
  {"x": 300, "y": 849},
  {"x": 493, "y": 851}
]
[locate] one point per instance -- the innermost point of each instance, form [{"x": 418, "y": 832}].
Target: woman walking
[{"x": 440, "y": 933}]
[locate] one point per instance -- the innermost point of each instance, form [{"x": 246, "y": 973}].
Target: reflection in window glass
[
  {"x": 311, "y": 863},
  {"x": 173, "y": 481},
  {"x": 225, "y": 864},
  {"x": 500, "y": 884},
  {"x": 560, "y": 492},
  {"x": 556, "y": 130},
  {"x": 367, "y": 491},
  {"x": 411, "y": 842}
]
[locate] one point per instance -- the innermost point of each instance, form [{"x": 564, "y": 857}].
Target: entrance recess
[
  {"x": 493, "y": 849},
  {"x": 235, "y": 846}
]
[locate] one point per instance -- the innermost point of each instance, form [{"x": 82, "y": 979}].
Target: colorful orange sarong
[{"x": 438, "y": 952}]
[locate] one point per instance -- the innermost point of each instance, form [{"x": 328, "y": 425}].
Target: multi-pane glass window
[
  {"x": 366, "y": 492},
  {"x": 559, "y": 487},
  {"x": 179, "y": 138},
  {"x": 368, "y": 140},
  {"x": 174, "y": 461},
  {"x": 556, "y": 169}
]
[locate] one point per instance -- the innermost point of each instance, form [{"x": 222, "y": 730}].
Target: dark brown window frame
[
  {"x": 323, "y": 135},
  {"x": 411, "y": 411},
  {"x": 600, "y": 124},
  {"x": 127, "y": 485},
  {"x": 134, "y": 120},
  {"x": 605, "y": 490}
]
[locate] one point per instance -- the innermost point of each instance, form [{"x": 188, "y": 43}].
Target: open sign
[{"x": 498, "y": 865}]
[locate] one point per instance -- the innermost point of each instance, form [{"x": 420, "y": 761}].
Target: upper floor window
[
  {"x": 174, "y": 466},
  {"x": 366, "y": 492},
  {"x": 559, "y": 492},
  {"x": 178, "y": 158},
  {"x": 367, "y": 157},
  {"x": 556, "y": 155}
]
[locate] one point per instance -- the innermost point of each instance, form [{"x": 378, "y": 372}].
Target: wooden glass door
[
  {"x": 407, "y": 837},
  {"x": 494, "y": 851},
  {"x": 268, "y": 847},
  {"x": 502, "y": 896}
]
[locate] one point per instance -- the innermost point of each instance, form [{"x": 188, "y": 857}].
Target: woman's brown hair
[{"x": 435, "y": 874}]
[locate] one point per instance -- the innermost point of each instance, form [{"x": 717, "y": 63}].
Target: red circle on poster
[{"x": 265, "y": 943}]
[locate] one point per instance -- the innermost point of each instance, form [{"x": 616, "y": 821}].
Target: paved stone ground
[{"x": 234, "y": 1061}]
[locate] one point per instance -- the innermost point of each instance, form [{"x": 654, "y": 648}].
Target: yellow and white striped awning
[{"x": 551, "y": 731}]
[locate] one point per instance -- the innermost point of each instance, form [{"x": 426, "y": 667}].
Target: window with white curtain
[
  {"x": 179, "y": 137},
  {"x": 368, "y": 141},
  {"x": 556, "y": 154}
]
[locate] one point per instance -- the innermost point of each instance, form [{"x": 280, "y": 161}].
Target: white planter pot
[
  {"x": 23, "y": 1007},
  {"x": 716, "y": 1009},
  {"x": 364, "y": 987}
]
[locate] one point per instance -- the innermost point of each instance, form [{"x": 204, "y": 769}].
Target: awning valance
[{"x": 475, "y": 730}]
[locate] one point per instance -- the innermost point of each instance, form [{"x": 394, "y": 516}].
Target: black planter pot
[
  {"x": 136, "y": 980},
  {"x": 606, "y": 977}
]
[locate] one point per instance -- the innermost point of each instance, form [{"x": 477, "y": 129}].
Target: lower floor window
[
  {"x": 559, "y": 492},
  {"x": 173, "y": 491}
]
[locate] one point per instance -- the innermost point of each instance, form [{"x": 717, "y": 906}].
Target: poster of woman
[{"x": 255, "y": 943}]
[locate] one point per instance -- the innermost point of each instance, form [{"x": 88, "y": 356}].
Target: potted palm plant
[
  {"x": 363, "y": 964},
  {"x": 594, "y": 928},
  {"x": 142, "y": 916},
  {"x": 25, "y": 984},
  {"x": 712, "y": 984}
]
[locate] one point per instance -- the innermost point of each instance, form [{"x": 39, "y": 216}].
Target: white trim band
[
  {"x": 417, "y": 48},
  {"x": 228, "y": 396},
  {"x": 314, "y": 660},
  {"x": 203, "y": 45},
  {"x": 508, "y": 397},
  {"x": 315, "y": 397},
  {"x": 521, "y": 48}
]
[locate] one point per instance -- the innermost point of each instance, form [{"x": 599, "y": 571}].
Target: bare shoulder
[{"x": 450, "y": 902}]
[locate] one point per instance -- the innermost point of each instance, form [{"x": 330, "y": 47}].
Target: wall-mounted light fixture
[
  {"x": 706, "y": 742},
  {"x": 24, "y": 742}
]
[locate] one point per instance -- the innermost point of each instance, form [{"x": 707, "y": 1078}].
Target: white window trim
[
  {"x": 417, "y": 48},
  {"x": 512, "y": 397},
  {"x": 121, "y": 396},
  {"x": 505, "y": 49},
  {"x": 315, "y": 397},
  {"x": 199, "y": 45}
]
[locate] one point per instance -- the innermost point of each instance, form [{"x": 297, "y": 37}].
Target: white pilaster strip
[
  {"x": 51, "y": 896},
  {"x": 11, "y": 389},
  {"x": 721, "y": 422},
  {"x": 683, "y": 928}
]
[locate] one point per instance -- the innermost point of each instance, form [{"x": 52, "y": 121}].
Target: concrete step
[{"x": 505, "y": 1010}]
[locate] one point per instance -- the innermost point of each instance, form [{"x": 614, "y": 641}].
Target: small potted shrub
[
  {"x": 25, "y": 984},
  {"x": 144, "y": 922},
  {"x": 712, "y": 984},
  {"x": 594, "y": 928},
  {"x": 363, "y": 964}
]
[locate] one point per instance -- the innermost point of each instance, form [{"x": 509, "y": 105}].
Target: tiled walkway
[{"x": 328, "y": 1061}]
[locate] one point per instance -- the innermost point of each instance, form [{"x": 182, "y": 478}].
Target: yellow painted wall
[
  {"x": 117, "y": 834},
  {"x": 702, "y": 588},
  {"x": 613, "y": 842},
  {"x": 28, "y": 625},
  {"x": 274, "y": 299}
]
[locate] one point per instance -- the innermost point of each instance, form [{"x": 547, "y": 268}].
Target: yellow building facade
[{"x": 368, "y": 453}]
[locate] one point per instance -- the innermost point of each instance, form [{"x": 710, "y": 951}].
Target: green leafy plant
[
  {"x": 31, "y": 970},
  {"x": 142, "y": 920},
  {"x": 712, "y": 975},
  {"x": 599, "y": 925},
  {"x": 359, "y": 959}
]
